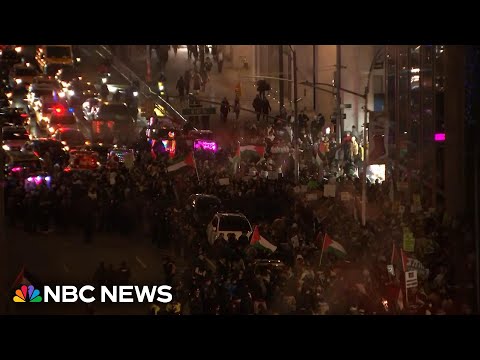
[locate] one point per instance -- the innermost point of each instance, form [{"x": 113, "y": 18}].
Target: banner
[
  {"x": 408, "y": 240},
  {"x": 414, "y": 264},
  {"x": 378, "y": 135},
  {"x": 224, "y": 181},
  {"x": 329, "y": 190}
]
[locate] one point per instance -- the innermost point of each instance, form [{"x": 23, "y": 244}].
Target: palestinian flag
[
  {"x": 260, "y": 242},
  {"x": 21, "y": 279},
  {"x": 181, "y": 162},
  {"x": 252, "y": 150},
  {"x": 235, "y": 160},
  {"x": 334, "y": 247}
]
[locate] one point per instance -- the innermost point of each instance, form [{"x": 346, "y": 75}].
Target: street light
[
  {"x": 295, "y": 111},
  {"x": 364, "y": 96}
]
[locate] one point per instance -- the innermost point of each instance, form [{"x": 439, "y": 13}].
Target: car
[
  {"x": 14, "y": 137},
  {"x": 52, "y": 58},
  {"x": 228, "y": 223},
  {"x": 10, "y": 57},
  {"x": 58, "y": 152},
  {"x": 78, "y": 92},
  {"x": 83, "y": 160},
  {"x": 4, "y": 100},
  {"x": 202, "y": 207},
  {"x": 21, "y": 163},
  {"x": 66, "y": 75},
  {"x": 70, "y": 137},
  {"x": 269, "y": 265},
  {"x": 112, "y": 121},
  {"x": 21, "y": 76},
  {"x": 59, "y": 119},
  {"x": 121, "y": 153},
  {"x": 90, "y": 107},
  {"x": 13, "y": 117},
  {"x": 44, "y": 107},
  {"x": 35, "y": 92}
]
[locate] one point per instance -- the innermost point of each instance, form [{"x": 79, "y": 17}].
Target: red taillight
[
  {"x": 24, "y": 115},
  {"x": 36, "y": 153}
]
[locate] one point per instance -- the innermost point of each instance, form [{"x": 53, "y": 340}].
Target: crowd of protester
[{"x": 231, "y": 276}]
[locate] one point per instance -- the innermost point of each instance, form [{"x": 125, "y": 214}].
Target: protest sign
[
  {"x": 224, "y": 181},
  {"x": 345, "y": 196},
  {"x": 408, "y": 240},
  {"x": 329, "y": 190}
]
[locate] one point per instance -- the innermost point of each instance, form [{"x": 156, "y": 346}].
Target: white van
[{"x": 228, "y": 223}]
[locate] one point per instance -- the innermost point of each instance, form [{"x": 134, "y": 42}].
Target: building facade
[{"x": 428, "y": 104}]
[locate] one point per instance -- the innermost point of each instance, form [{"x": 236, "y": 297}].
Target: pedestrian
[
  {"x": 236, "y": 110},
  {"x": 189, "y": 52},
  {"x": 224, "y": 110},
  {"x": 257, "y": 106},
  {"x": 266, "y": 108},
  {"x": 220, "y": 61},
  {"x": 187, "y": 78},
  {"x": 175, "y": 49},
  {"x": 204, "y": 76},
  {"x": 169, "y": 269},
  {"x": 197, "y": 83},
  {"x": 208, "y": 64},
  {"x": 195, "y": 54},
  {"x": 181, "y": 88},
  {"x": 124, "y": 273}
]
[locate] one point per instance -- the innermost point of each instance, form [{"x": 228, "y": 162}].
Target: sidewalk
[{"x": 219, "y": 85}]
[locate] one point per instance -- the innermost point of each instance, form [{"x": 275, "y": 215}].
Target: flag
[
  {"x": 259, "y": 241},
  {"x": 333, "y": 246},
  {"x": 235, "y": 160},
  {"x": 181, "y": 162},
  {"x": 21, "y": 279},
  {"x": 258, "y": 150}
]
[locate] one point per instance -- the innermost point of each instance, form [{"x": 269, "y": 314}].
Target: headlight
[
  {"x": 64, "y": 143},
  {"x": 104, "y": 80},
  {"x": 6, "y": 147},
  {"x": 66, "y": 148},
  {"x": 161, "y": 87},
  {"x": 61, "y": 94},
  {"x": 64, "y": 84},
  {"x": 80, "y": 78},
  {"x": 9, "y": 95},
  {"x": 135, "y": 93},
  {"x": 52, "y": 130},
  {"x": 18, "y": 81},
  {"x": 78, "y": 59},
  {"x": 18, "y": 49},
  {"x": 71, "y": 93},
  {"x": 109, "y": 74},
  {"x": 87, "y": 142}
]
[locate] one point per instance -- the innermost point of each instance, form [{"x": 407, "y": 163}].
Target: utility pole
[
  {"x": 314, "y": 78},
  {"x": 148, "y": 58},
  {"x": 4, "y": 248},
  {"x": 338, "y": 84},
  {"x": 280, "y": 70},
  {"x": 476, "y": 200},
  {"x": 295, "y": 109}
]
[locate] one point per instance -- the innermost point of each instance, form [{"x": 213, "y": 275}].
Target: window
[
  {"x": 234, "y": 223},
  {"x": 59, "y": 52}
]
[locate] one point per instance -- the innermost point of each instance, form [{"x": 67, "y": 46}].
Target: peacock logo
[{"x": 27, "y": 294}]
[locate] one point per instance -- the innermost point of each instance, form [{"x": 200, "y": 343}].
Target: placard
[
  {"x": 329, "y": 190},
  {"x": 273, "y": 175},
  {"x": 311, "y": 197},
  {"x": 345, "y": 196},
  {"x": 391, "y": 270},
  {"x": 408, "y": 240},
  {"x": 411, "y": 280},
  {"x": 224, "y": 181}
]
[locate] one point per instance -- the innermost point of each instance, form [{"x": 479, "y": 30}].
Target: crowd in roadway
[{"x": 231, "y": 276}]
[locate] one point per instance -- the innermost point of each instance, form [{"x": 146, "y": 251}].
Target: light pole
[
  {"x": 364, "y": 96},
  {"x": 4, "y": 248},
  {"x": 295, "y": 111}
]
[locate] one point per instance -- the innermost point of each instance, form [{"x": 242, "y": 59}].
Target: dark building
[{"x": 432, "y": 101}]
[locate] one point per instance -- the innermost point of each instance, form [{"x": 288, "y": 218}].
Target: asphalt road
[{"x": 65, "y": 259}]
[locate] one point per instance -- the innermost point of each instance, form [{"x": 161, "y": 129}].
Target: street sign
[
  {"x": 411, "y": 280},
  {"x": 198, "y": 111}
]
